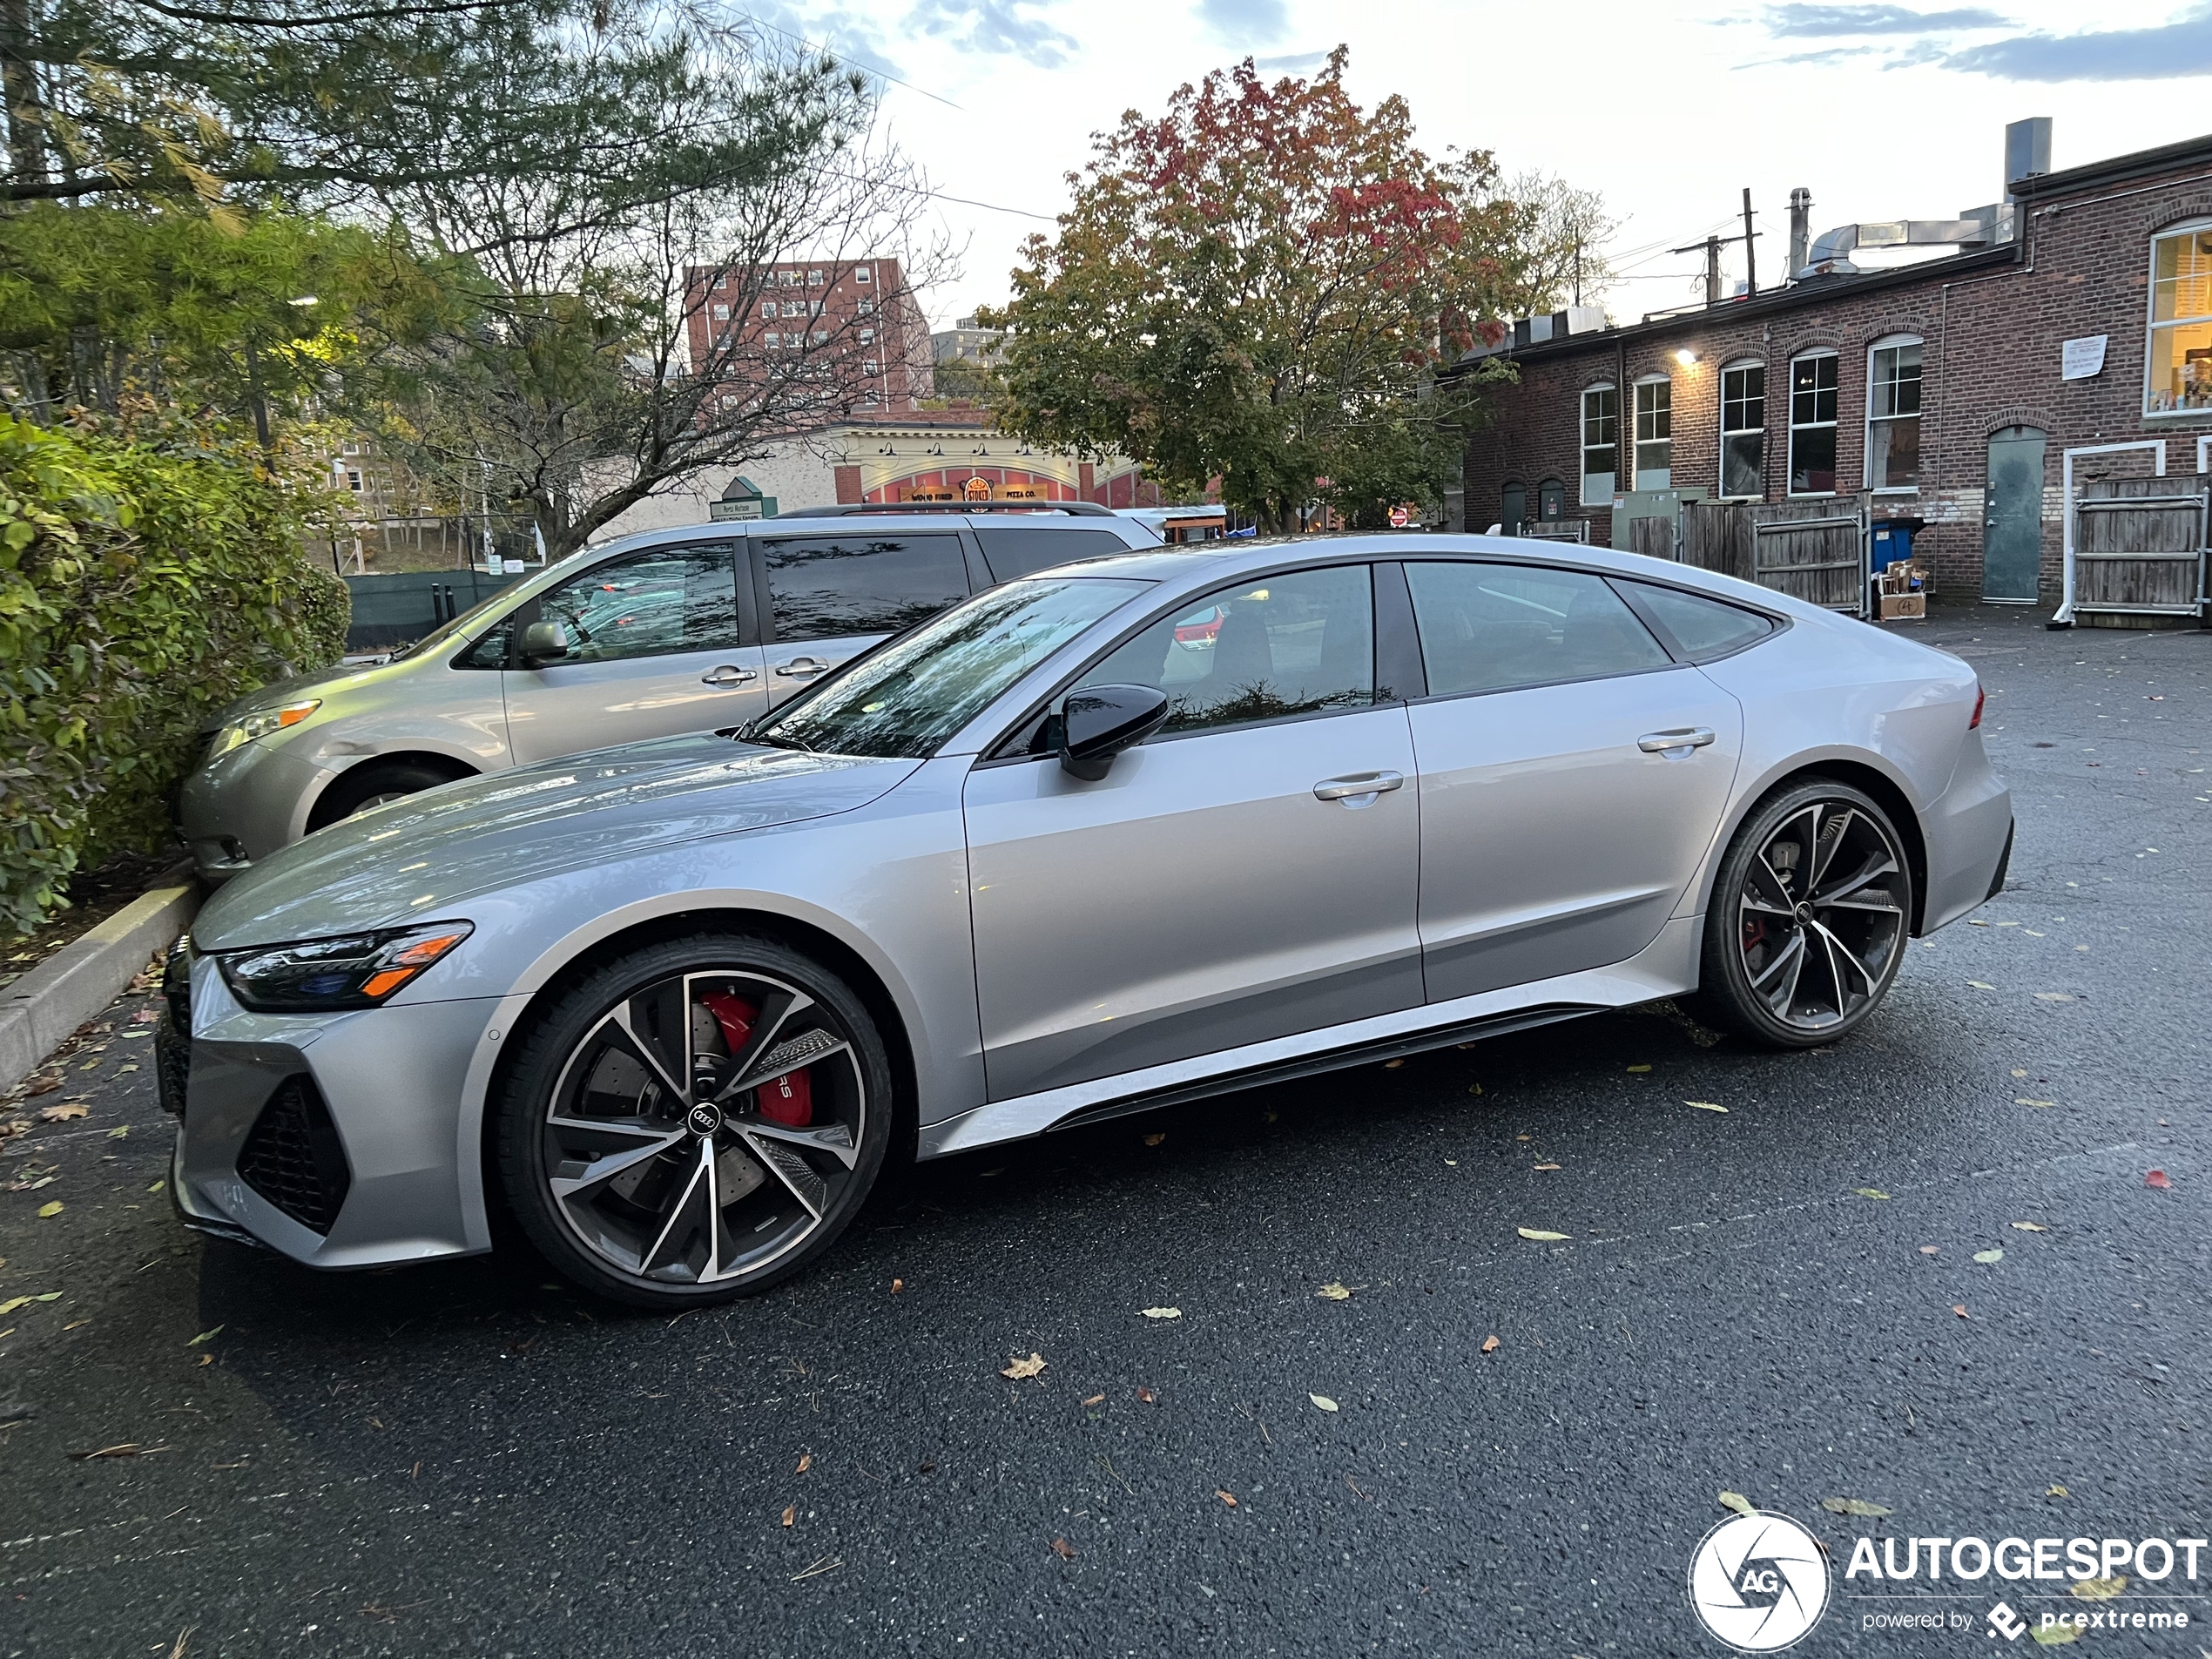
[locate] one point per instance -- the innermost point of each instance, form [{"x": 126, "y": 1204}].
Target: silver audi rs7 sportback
[{"x": 1125, "y": 831}]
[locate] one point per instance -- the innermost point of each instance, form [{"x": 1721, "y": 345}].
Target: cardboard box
[{"x": 1894, "y": 605}]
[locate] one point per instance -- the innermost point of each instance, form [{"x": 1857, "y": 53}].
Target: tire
[
  {"x": 375, "y": 784},
  {"x": 670, "y": 1196},
  {"x": 1791, "y": 970}
]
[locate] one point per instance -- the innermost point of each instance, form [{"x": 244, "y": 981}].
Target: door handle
[
  {"x": 802, "y": 668},
  {"x": 1692, "y": 737},
  {"x": 728, "y": 674},
  {"x": 1369, "y": 783}
]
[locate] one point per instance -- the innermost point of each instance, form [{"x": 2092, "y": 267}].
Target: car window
[
  {"x": 1017, "y": 549},
  {"x": 1302, "y": 643},
  {"x": 1705, "y": 629},
  {"x": 1490, "y": 627},
  {"x": 831, "y": 586},
  {"x": 490, "y": 652},
  {"x": 907, "y": 699},
  {"x": 660, "y": 600}
]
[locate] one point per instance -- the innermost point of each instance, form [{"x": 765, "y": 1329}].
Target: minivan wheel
[
  {"x": 1808, "y": 918},
  {"x": 695, "y": 1121},
  {"x": 375, "y": 784}
]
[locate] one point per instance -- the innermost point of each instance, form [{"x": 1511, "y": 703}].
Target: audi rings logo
[{"x": 1758, "y": 1583}]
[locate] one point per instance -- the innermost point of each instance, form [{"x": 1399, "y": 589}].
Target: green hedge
[{"x": 139, "y": 591}]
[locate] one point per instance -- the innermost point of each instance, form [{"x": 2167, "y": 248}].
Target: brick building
[
  {"x": 1953, "y": 393},
  {"x": 854, "y": 321}
]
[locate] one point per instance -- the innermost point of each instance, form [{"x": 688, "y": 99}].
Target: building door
[
  {"x": 1513, "y": 508},
  {"x": 2011, "y": 527}
]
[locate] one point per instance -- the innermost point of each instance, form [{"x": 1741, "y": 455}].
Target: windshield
[
  {"x": 446, "y": 630},
  {"x": 905, "y": 699}
]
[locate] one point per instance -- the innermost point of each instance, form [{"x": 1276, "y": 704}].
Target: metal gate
[
  {"x": 2139, "y": 546},
  {"x": 1814, "y": 550}
]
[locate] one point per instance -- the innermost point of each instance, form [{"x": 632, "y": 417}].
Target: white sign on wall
[{"x": 2083, "y": 358}]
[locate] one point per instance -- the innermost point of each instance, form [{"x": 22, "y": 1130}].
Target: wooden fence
[{"x": 2139, "y": 546}]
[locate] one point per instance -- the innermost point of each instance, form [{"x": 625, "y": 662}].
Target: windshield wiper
[{"x": 746, "y": 734}]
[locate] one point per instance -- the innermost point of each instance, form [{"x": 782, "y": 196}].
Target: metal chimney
[
  {"x": 2027, "y": 150},
  {"x": 1800, "y": 228}
]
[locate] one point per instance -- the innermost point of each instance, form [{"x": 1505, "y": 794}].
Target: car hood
[{"x": 422, "y": 855}]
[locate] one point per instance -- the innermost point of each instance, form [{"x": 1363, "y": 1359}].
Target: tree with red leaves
[{"x": 1258, "y": 287}]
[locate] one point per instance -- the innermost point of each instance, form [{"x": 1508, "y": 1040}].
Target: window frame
[
  {"x": 757, "y": 548},
  {"x": 1666, "y": 646},
  {"x": 1638, "y": 443},
  {"x": 531, "y": 609},
  {"x": 1833, "y": 425},
  {"x": 1583, "y": 419},
  {"x": 1720, "y": 477},
  {"x": 2189, "y": 228},
  {"x": 1893, "y": 342}
]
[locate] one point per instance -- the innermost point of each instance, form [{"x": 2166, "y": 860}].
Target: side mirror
[
  {"x": 543, "y": 643},
  {"x": 1100, "y": 721}
]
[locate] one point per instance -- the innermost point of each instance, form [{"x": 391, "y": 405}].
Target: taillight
[{"x": 1980, "y": 696}]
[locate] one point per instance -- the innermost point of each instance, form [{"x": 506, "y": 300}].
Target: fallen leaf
[
  {"x": 1548, "y": 1166},
  {"x": 2022, "y": 1100},
  {"x": 1852, "y": 1507},
  {"x": 2053, "y": 996},
  {"x": 2098, "y": 1589},
  {"x": 791, "y": 1514},
  {"x": 1959, "y": 1308},
  {"x": 1224, "y": 1497},
  {"x": 1095, "y": 1399},
  {"x": 2155, "y": 1178},
  {"x": 60, "y": 1114},
  {"x": 2031, "y": 1226},
  {"x": 1706, "y": 1106},
  {"x": 1977, "y": 922},
  {"x": 1490, "y": 1345},
  {"x": 118, "y": 1132},
  {"x": 1870, "y": 1192},
  {"x": 158, "y": 1186},
  {"x": 128, "y": 1448},
  {"x": 805, "y": 1462},
  {"x": 1155, "y": 1138},
  {"x": 897, "y": 1286},
  {"x": 42, "y": 1086},
  {"x": 1393, "y": 1065},
  {"x": 48, "y": 1210},
  {"x": 1986, "y": 1256},
  {"x": 1978, "y": 986},
  {"x": 1639, "y": 1068},
  {"x": 1062, "y": 1549},
  {"x": 1019, "y": 1369},
  {"x": 1737, "y": 1501},
  {"x": 2055, "y": 1635},
  {"x": 1163, "y": 1313},
  {"x": 207, "y": 1360},
  {"x": 204, "y": 1335},
  {"x": 2056, "y": 1492},
  {"x": 1451, "y": 1163},
  {"x": 1145, "y": 1396},
  {"x": 2020, "y": 1071},
  {"x": 1333, "y": 1292},
  {"x": 1323, "y": 1401},
  {"x": 1538, "y": 1234},
  {"x": 12, "y": 1304},
  {"x": 1476, "y": 1088},
  {"x": 1928, "y": 1249}
]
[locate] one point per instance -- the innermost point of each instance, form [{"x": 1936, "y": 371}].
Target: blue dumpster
[{"x": 1893, "y": 542}]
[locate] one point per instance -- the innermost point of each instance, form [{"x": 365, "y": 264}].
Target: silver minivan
[{"x": 696, "y": 629}]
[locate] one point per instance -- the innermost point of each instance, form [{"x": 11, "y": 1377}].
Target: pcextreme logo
[{"x": 1758, "y": 1583}]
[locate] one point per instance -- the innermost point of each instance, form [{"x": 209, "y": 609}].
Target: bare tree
[{"x": 1562, "y": 235}]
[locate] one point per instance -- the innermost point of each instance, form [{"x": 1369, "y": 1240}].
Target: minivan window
[
  {"x": 1492, "y": 627},
  {"x": 1014, "y": 550},
  {"x": 831, "y": 587},
  {"x": 906, "y": 698},
  {"x": 650, "y": 604}
]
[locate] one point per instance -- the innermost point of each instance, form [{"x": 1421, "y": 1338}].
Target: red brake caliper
[{"x": 788, "y": 1099}]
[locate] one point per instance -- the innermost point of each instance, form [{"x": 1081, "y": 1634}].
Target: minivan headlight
[
  {"x": 259, "y": 723},
  {"x": 318, "y": 975}
]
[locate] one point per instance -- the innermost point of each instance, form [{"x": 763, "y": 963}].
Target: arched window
[
  {"x": 1813, "y": 423},
  {"x": 1601, "y": 444},
  {"x": 2178, "y": 378},
  {"x": 1743, "y": 430},
  {"x": 1655, "y": 432},
  {"x": 1893, "y": 412}
]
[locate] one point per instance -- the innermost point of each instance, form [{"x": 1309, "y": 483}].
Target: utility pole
[
  {"x": 1751, "y": 252},
  {"x": 1578, "y": 269},
  {"x": 1711, "y": 246}
]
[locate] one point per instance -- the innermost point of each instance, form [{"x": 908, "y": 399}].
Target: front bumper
[
  {"x": 339, "y": 1140},
  {"x": 246, "y": 805}
]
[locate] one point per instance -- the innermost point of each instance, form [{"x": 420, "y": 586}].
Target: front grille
[
  {"x": 172, "y": 1037},
  {"x": 294, "y": 1158}
]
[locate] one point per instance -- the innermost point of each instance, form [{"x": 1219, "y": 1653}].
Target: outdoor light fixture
[{"x": 1687, "y": 357}]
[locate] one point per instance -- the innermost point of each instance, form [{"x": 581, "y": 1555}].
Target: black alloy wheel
[
  {"x": 1809, "y": 919},
  {"x": 695, "y": 1121}
]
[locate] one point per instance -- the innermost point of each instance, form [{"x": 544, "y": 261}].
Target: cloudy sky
[{"x": 1882, "y": 111}]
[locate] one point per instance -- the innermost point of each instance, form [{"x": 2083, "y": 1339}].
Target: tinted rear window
[
  {"x": 1014, "y": 550},
  {"x": 1705, "y": 629},
  {"x": 830, "y": 587}
]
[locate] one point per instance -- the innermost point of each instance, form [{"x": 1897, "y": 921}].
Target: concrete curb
[{"x": 39, "y": 1010}]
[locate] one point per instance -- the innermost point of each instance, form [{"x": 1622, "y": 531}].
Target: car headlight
[
  {"x": 358, "y": 971},
  {"x": 259, "y": 723}
]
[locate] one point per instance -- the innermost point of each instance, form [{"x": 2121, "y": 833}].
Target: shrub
[{"x": 140, "y": 591}]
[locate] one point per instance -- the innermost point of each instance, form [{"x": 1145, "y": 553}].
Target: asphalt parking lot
[{"x": 1780, "y": 1299}]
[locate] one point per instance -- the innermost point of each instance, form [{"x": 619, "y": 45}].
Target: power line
[{"x": 881, "y": 74}]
